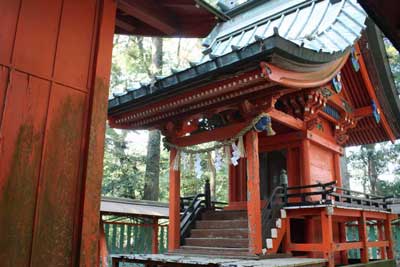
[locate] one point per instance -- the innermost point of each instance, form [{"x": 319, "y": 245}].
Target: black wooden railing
[
  {"x": 193, "y": 206},
  {"x": 329, "y": 193}
]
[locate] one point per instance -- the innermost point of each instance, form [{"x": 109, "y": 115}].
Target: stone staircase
[{"x": 222, "y": 233}]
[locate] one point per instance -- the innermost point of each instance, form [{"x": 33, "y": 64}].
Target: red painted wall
[{"x": 55, "y": 61}]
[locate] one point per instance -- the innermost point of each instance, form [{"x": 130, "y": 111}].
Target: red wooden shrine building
[{"x": 296, "y": 81}]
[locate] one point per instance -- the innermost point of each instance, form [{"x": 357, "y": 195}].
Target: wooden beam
[
  {"x": 315, "y": 138},
  {"x": 149, "y": 12},
  {"x": 306, "y": 247},
  {"x": 124, "y": 25},
  {"x": 347, "y": 245},
  {"x": 371, "y": 92},
  {"x": 218, "y": 134},
  {"x": 363, "y": 112},
  {"x": 253, "y": 193},
  {"x": 174, "y": 204},
  {"x": 286, "y": 119}
]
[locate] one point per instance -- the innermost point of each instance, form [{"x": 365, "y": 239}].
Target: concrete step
[
  {"x": 222, "y": 233},
  {"x": 218, "y": 242},
  {"x": 221, "y": 224},
  {"x": 224, "y": 215}
]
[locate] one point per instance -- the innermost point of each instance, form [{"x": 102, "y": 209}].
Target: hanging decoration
[
  {"x": 337, "y": 82},
  {"x": 218, "y": 160},
  {"x": 197, "y": 167},
  {"x": 234, "y": 147},
  {"x": 265, "y": 124},
  {"x": 354, "y": 59},
  {"x": 235, "y": 155},
  {"x": 376, "y": 112}
]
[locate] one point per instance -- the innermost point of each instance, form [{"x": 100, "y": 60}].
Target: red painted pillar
[
  {"x": 381, "y": 237},
  {"x": 338, "y": 174},
  {"x": 362, "y": 233},
  {"x": 253, "y": 195},
  {"x": 174, "y": 204},
  {"x": 388, "y": 236},
  {"x": 327, "y": 237},
  {"x": 55, "y": 61},
  {"x": 154, "y": 247},
  {"x": 103, "y": 251}
]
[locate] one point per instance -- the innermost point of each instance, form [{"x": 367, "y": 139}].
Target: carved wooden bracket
[{"x": 341, "y": 136}]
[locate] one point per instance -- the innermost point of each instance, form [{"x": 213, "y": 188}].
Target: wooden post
[
  {"x": 327, "y": 237},
  {"x": 381, "y": 237},
  {"x": 342, "y": 234},
  {"x": 253, "y": 193},
  {"x": 288, "y": 237},
  {"x": 362, "y": 233},
  {"x": 103, "y": 251},
  {"x": 174, "y": 204},
  {"x": 305, "y": 153},
  {"x": 388, "y": 236},
  {"x": 154, "y": 243},
  {"x": 336, "y": 164}
]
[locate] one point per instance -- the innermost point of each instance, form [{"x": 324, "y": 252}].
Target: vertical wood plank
[
  {"x": 9, "y": 14},
  {"x": 21, "y": 134},
  {"x": 174, "y": 204},
  {"x": 38, "y": 28},
  {"x": 253, "y": 193},
  {"x": 60, "y": 178}
]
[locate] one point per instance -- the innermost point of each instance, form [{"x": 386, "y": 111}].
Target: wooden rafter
[
  {"x": 148, "y": 12},
  {"x": 371, "y": 91}
]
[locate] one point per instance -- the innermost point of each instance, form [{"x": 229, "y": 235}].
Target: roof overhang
[
  {"x": 386, "y": 14},
  {"x": 166, "y": 18},
  {"x": 131, "y": 207},
  {"x": 275, "y": 49}
]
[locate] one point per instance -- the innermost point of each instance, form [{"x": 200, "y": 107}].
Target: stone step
[
  {"x": 224, "y": 215},
  {"x": 218, "y": 242},
  {"x": 221, "y": 224},
  {"x": 222, "y": 233},
  {"x": 220, "y": 252}
]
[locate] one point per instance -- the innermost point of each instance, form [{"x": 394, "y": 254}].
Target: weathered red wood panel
[
  {"x": 8, "y": 21},
  {"x": 75, "y": 43},
  {"x": 53, "y": 113},
  {"x": 24, "y": 116},
  {"x": 36, "y": 38},
  {"x": 59, "y": 181}
]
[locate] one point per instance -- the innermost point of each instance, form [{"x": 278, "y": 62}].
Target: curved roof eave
[{"x": 244, "y": 59}]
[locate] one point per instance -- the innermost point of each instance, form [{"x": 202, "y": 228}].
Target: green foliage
[
  {"x": 122, "y": 168},
  {"x": 394, "y": 61},
  {"x": 372, "y": 161}
]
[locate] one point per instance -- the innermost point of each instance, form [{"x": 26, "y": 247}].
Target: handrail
[
  {"x": 269, "y": 211},
  {"x": 190, "y": 213}
]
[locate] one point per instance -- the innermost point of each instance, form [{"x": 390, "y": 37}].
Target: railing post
[{"x": 207, "y": 194}]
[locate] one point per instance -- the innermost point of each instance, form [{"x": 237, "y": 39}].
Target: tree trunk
[
  {"x": 213, "y": 177},
  {"x": 151, "y": 185},
  {"x": 152, "y": 174}
]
